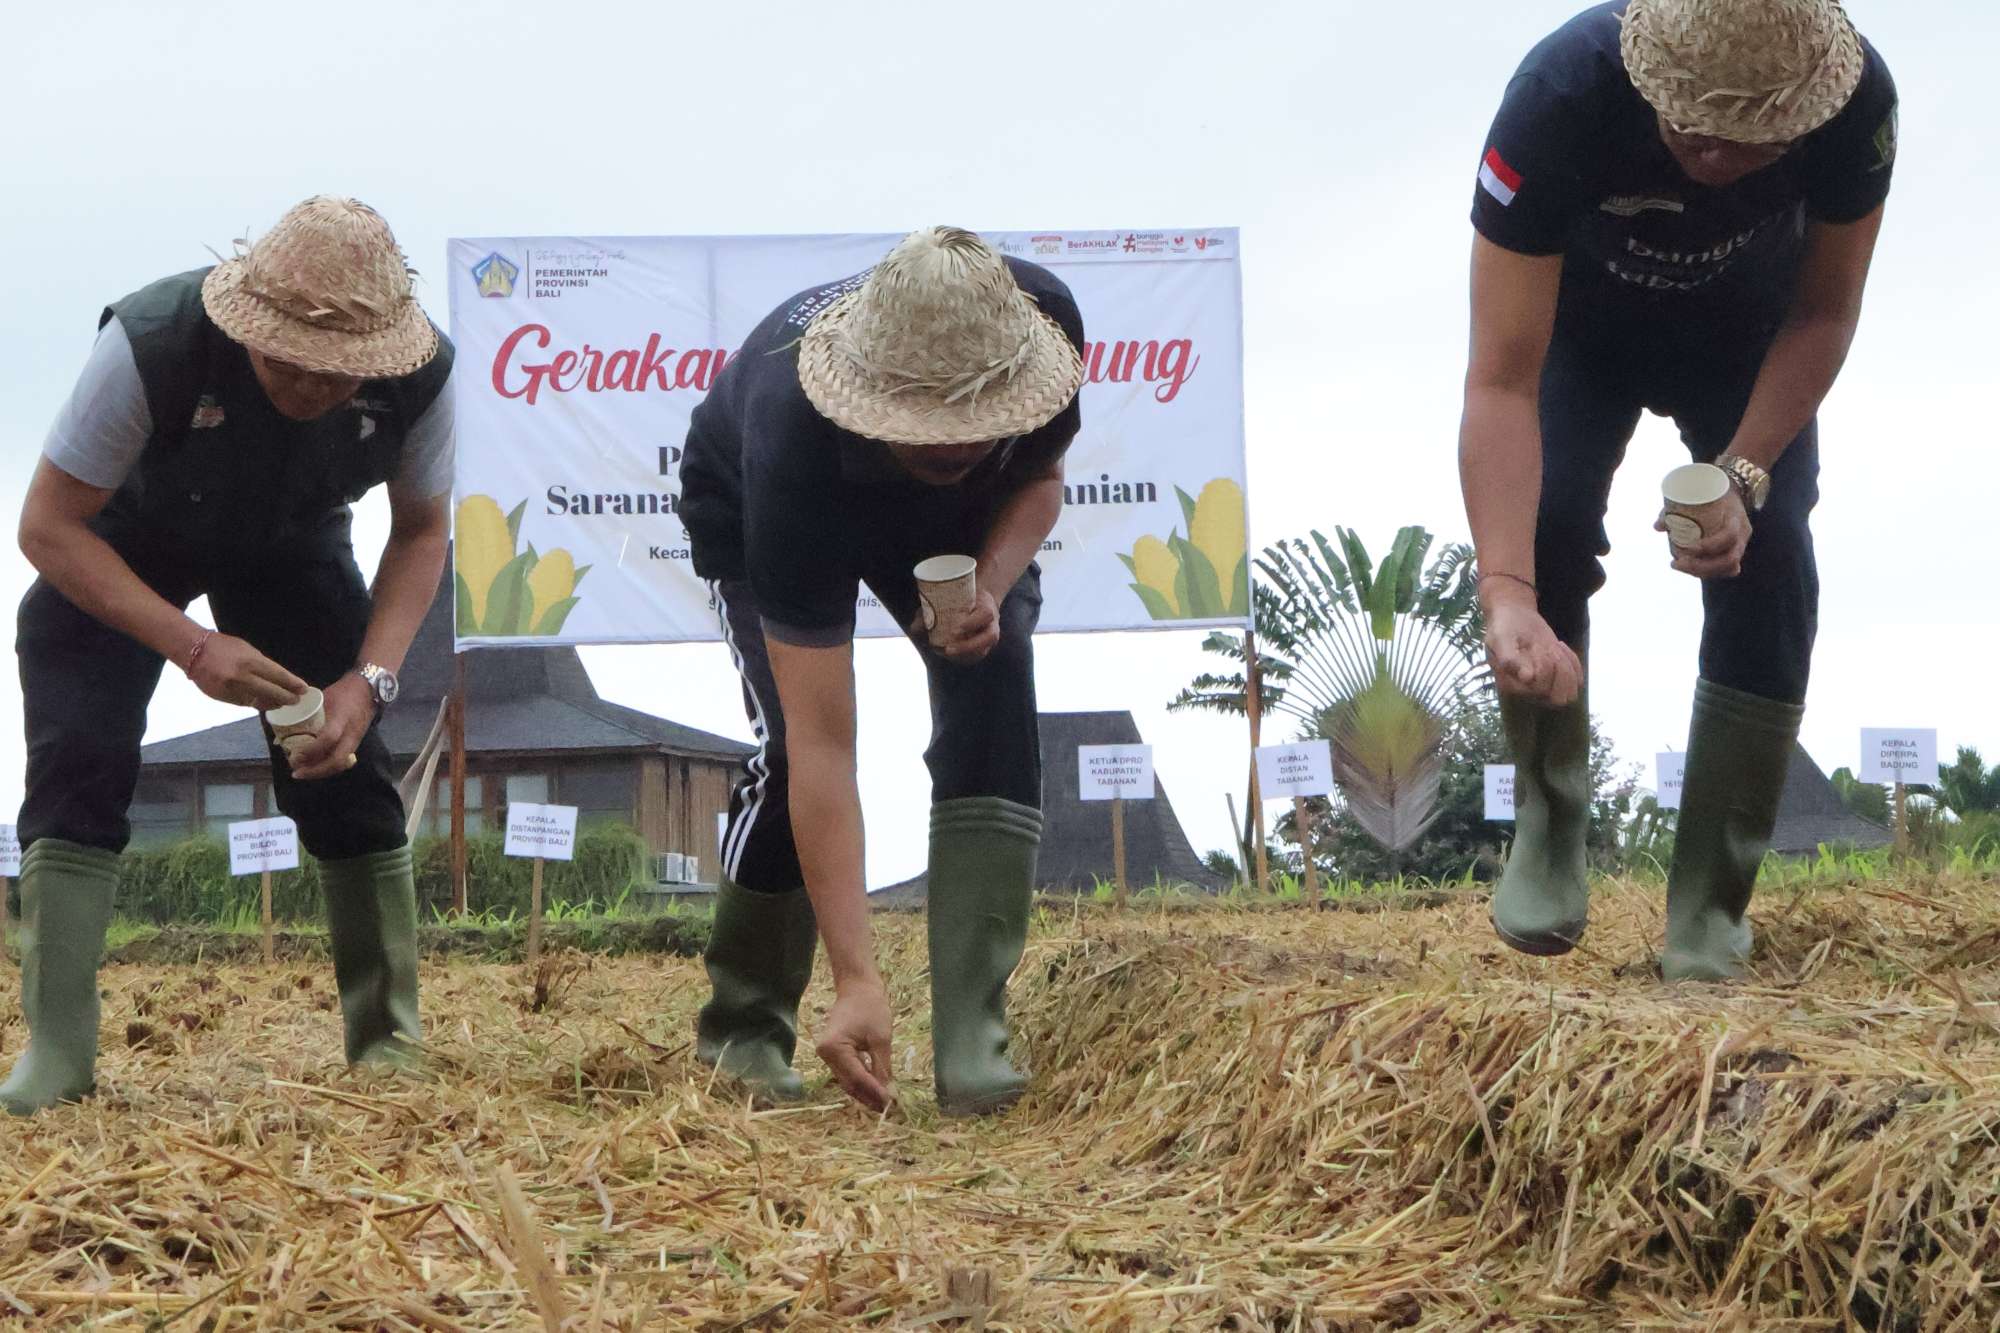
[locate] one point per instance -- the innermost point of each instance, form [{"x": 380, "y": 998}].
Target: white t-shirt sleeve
[
  {"x": 425, "y": 469},
  {"x": 103, "y": 428}
]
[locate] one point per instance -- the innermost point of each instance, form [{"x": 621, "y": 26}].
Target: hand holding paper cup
[
  {"x": 1696, "y": 498},
  {"x": 296, "y": 725},
  {"x": 947, "y": 588}
]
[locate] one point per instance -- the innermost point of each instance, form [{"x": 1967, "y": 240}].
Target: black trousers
[
  {"x": 985, "y": 731},
  {"x": 1758, "y": 628},
  {"x": 85, "y": 688}
]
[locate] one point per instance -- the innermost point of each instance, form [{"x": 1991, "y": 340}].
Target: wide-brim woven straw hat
[
  {"x": 938, "y": 345},
  {"x": 1752, "y": 71},
  {"x": 327, "y": 290}
]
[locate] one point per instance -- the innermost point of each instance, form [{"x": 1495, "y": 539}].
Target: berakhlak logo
[
  {"x": 1131, "y": 243},
  {"x": 495, "y": 275},
  {"x": 1499, "y": 180}
]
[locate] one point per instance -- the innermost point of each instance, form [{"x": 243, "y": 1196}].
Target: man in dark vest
[
  {"x": 920, "y": 409},
  {"x": 1675, "y": 212},
  {"x": 224, "y": 422}
]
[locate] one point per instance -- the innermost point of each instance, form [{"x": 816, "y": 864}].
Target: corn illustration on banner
[{"x": 580, "y": 360}]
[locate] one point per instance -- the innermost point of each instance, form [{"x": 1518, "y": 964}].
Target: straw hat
[
  {"x": 1752, "y": 71},
  {"x": 938, "y": 345},
  {"x": 327, "y": 290}
]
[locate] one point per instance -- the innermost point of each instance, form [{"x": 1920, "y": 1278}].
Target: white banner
[
  {"x": 544, "y": 831},
  {"x": 1112, "y": 772},
  {"x": 1500, "y": 793},
  {"x": 1304, "y": 769},
  {"x": 580, "y": 360},
  {"x": 1899, "y": 754},
  {"x": 10, "y": 851},
  {"x": 257, "y": 845},
  {"x": 1669, "y": 771}
]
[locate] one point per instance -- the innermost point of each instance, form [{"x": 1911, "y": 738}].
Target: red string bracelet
[{"x": 194, "y": 654}]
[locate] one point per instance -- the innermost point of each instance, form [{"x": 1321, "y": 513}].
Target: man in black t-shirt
[
  {"x": 1675, "y": 209},
  {"x": 919, "y": 409}
]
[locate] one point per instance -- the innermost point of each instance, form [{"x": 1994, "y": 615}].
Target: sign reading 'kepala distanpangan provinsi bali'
[
  {"x": 1114, "y": 772},
  {"x": 1301, "y": 769},
  {"x": 257, "y": 845},
  {"x": 547, "y": 832},
  {"x": 1899, "y": 754},
  {"x": 581, "y": 359}
]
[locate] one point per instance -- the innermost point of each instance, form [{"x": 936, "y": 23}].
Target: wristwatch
[
  {"x": 382, "y": 683},
  {"x": 1752, "y": 482}
]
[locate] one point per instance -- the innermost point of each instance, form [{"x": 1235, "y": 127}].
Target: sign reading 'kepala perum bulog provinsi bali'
[{"x": 581, "y": 359}]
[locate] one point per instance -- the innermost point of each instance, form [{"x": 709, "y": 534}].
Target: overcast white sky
[{"x": 1342, "y": 138}]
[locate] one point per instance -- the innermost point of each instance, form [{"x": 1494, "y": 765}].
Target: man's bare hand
[
  {"x": 854, "y": 1042},
  {"x": 1719, "y": 554},
  {"x": 1527, "y": 658},
  {"x": 350, "y": 711},
  {"x": 230, "y": 670},
  {"x": 974, "y": 637}
]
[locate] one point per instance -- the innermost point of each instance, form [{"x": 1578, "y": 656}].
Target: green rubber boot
[
  {"x": 982, "y": 881},
  {"x": 371, "y": 918},
  {"x": 1542, "y": 902},
  {"x": 1739, "y": 748},
  {"x": 66, "y": 893},
  {"x": 760, "y": 959}
]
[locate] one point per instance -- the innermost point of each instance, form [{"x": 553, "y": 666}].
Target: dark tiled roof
[
  {"x": 517, "y": 700},
  {"x": 1811, "y": 814},
  {"x": 1076, "y": 840}
]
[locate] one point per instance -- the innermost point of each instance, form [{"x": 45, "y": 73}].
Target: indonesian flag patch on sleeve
[{"x": 1500, "y": 180}]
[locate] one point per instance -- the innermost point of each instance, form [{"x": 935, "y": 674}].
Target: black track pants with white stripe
[{"x": 985, "y": 736}]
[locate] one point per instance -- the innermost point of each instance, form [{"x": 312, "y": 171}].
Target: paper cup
[
  {"x": 1696, "y": 498},
  {"x": 295, "y": 725},
  {"x": 946, "y": 588}
]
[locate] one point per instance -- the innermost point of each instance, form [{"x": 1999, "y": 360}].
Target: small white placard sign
[
  {"x": 1111, "y": 772},
  {"x": 1500, "y": 793},
  {"x": 10, "y": 852},
  {"x": 1303, "y": 769},
  {"x": 257, "y": 845},
  {"x": 1899, "y": 754},
  {"x": 544, "y": 831},
  {"x": 1669, "y": 772}
]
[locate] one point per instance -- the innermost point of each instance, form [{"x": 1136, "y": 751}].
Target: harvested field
[{"x": 1272, "y": 1119}]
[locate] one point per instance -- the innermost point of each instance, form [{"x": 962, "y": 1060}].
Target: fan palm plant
[{"x": 1373, "y": 658}]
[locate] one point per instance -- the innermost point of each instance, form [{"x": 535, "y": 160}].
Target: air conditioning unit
[{"x": 671, "y": 868}]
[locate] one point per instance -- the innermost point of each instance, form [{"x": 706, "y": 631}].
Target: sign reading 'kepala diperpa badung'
[
  {"x": 1899, "y": 754},
  {"x": 581, "y": 359},
  {"x": 1114, "y": 772}
]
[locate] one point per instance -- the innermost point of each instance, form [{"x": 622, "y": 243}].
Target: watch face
[{"x": 386, "y": 686}]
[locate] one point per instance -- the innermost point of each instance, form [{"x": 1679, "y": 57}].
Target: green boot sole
[
  {"x": 1541, "y": 905},
  {"x": 982, "y": 882},
  {"x": 371, "y": 917},
  {"x": 759, "y": 960},
  {"x": 1739, "y": 749},
  {"x": 66, "y": 896}
]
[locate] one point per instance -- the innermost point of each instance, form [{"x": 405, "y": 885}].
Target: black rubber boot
[
  {"x": 760, "y": 960},
  {"x": 66, "y": 895},
  {"x": 1739, "y": 748},
  {"x": 982, "y": 882},
  {"x": 371, "y": 917},
  {"x": 1542, "y": 902}
]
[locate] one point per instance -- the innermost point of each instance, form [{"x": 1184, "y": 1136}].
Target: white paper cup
[
  {"x": 1696, "y": 499},
  {"x": 946, "y": 588},
  {"x": 295, "y": 725}
]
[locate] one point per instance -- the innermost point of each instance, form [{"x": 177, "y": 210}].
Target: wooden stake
[
  {"x": 1118, "y": 847},
  {"x": 1302, "y": 816},
  {"x": 535, "y": 915},
  {"x": 458, "y": 895},
  {"x": 270, "y": 940},
  {"x": 6, "y": 918},
  {"x": 1253, "y": 699},
  {"x": 1902, "y": 820}
]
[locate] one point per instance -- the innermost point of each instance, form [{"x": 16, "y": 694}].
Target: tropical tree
[
  {"x": 1967, "y": 786},
  {"x": 1870, "y": 800},
  {"x": 1376, "y": 659}
]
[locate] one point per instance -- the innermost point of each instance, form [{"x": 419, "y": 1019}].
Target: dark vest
[{"x": 225, "y": 474}]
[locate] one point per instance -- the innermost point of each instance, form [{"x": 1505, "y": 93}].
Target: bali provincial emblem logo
[{"x": 495, "y": 275}]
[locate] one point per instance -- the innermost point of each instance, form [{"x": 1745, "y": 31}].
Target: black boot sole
[{"x": 1550, "y": 945}]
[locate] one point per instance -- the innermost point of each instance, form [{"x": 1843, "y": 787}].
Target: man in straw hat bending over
[
  {"x": 919, "y": 409},
  {"x": 224, "y": 421},
  {"x": 1675, "y": 213}
]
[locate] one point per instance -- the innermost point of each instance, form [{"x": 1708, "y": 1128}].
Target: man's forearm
[
  {"x": 406, "y": 579},
  {"x": 1500, "y": 472},
  {"x": 1023, "y": 524},
  {"x": 1801, "y": 366},
  {"x": 84, "y": 568},
  {"x": 826, "y": 827}
]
